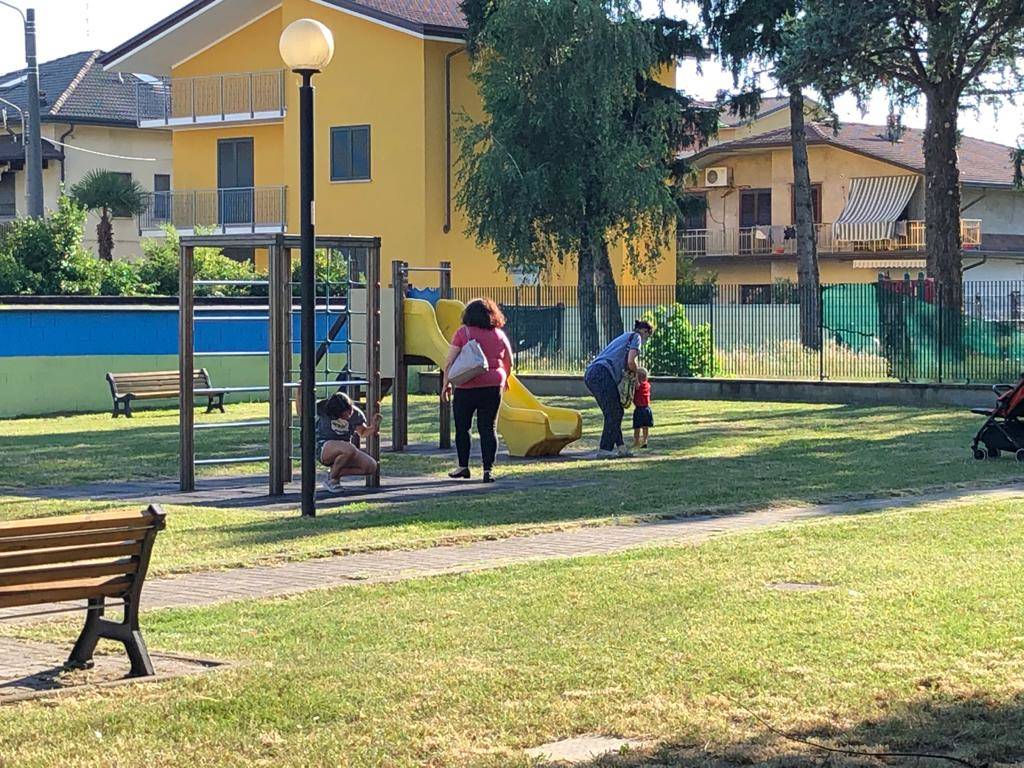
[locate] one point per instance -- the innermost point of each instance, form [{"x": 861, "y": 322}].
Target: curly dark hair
[
  {"x": 337, "y": 406},
  {"x": 483, "y": 313}
]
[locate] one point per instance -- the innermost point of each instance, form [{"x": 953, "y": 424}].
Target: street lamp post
[
  {"x": 34, "y": 143},
  {"x": 307, "y": 46}
]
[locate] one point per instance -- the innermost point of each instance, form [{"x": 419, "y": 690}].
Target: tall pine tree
[
  {"x": 951, "y": 53},
  {"x": 750, "y": 36},
  {"x": 579, "y": 146}
]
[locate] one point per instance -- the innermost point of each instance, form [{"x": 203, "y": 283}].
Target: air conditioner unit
[{"x": 716, "y": 177}]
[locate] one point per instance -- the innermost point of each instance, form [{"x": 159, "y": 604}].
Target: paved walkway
[
  {"x": 213, "y": 587},
  {"x": 251, "y": 491}
]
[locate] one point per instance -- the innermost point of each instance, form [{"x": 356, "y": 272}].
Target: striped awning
[
  {"x": 889, "y": 264},
  {"x": 874, "y": 205}
]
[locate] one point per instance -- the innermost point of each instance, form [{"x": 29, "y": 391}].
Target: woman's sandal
[{"x": 462, "y": 473}]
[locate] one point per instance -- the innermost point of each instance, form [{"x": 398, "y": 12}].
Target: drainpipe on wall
[
  {"x": 63, "y": 155},
  {"x": 448, "y": 138}
]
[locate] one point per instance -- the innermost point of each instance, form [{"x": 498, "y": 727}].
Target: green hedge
[{"x": 45, "y": 257}]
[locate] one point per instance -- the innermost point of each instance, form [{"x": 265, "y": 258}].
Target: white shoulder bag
[{"x": 470, "y": 363}]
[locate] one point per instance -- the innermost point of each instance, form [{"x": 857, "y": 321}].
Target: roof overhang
[
  {"x": 397, "y": 23},
  {"x": 186, "y": 32},
  {"x": 204, "y": 23}
]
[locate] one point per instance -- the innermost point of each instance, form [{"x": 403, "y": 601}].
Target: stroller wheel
[{"x": 979, "y": 454}]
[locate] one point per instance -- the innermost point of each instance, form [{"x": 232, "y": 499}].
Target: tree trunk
[
  {"x": 611, "y": 312},
  {"x": 942, "y": 199},
  {"x": 587, "y": 298},
  {"x": 808, "y": 277},
  {"x": 105, "y": 237}
]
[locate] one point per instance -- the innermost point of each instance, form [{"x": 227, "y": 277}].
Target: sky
[{"x": 68, "y": 26}]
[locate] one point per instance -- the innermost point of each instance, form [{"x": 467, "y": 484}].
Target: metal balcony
[
  {"x": 781, "y": 240},
  {"x": 231, "y": 98},
  {"x": 227, "y": 211}
]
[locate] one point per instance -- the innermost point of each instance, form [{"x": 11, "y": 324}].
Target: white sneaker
[
  {"x": 602, "y": 454},
  {"x": 332, "y": 486},
  {"x": 624, "y": 452}
]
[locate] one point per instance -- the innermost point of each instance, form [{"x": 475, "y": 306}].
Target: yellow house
[
  {"x": 868, "y": 186},
  {"x": 385, "y": 109},
  {"x": 772, "y": 115}
]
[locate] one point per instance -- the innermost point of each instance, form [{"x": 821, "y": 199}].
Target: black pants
[{"x": 484, "y": 402}]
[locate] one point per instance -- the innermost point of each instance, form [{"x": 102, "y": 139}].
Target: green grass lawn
[
  {"x": 915, "y": 644},
  {"x": 718, "y": 456}
]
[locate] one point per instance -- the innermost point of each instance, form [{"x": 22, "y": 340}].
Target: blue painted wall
[
  {"x": 52, "y": 332},
  {"x": 55, "y": 359}
]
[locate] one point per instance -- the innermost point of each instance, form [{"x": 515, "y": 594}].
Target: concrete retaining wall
[{"x": 768, "y": 390}]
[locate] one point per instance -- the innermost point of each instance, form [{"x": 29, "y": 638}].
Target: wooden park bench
[
  {"x": 158, "y": 385},
  {"x": 83, "y": 557}
]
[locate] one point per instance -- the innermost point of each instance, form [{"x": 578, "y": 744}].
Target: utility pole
[
  {"x": 31, "y": 132},
  {"x": 34, "y": 148}
]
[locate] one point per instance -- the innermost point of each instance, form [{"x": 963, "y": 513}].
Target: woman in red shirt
[{"x": 482, "y": 321}]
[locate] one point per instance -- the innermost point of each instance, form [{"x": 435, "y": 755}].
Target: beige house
[
  {"x": 868, "y": 187},
  {"x": 88, "y": 122}
]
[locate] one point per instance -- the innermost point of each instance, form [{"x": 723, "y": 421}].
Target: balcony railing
[
  {"x": 781, "y": 240},
  {"x": 231, "y": 98},
  {"x": 236, "y": 210}
]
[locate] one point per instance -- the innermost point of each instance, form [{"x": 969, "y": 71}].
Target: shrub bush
[
  {"x": 47, "y": 254},
  {"x": 333, "y": 270},
  {"x": 14, "y": 278},
  {"x": 122, "y": 278},
  {"x": 159, "y": 268},
  {"x": 678, "y": 348}
]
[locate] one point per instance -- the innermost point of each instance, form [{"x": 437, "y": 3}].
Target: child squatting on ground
[
  {"x": 339, "y": 427},
  {"x": 643, "y": 416}
]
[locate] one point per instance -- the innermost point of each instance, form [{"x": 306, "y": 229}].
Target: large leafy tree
[
  {"x": 109, "y": 193},
  {"x": 579, "y": 146},
  {"x": 952, "y": 53},
  {"x": 751, "y": 38}
]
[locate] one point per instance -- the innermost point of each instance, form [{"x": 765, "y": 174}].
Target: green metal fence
[{"x": 882, "y": 331}]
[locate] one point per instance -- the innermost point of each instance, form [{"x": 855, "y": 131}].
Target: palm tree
[{"x": 109, "y": 193}]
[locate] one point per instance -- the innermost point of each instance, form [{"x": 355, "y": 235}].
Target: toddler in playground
[
  {"x": 339, "y": 426},
  {"x": 643, "y": 416}
]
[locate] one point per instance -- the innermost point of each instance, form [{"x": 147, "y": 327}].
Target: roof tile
[
  {"x": 981, "y": 161},
  {"x": 75, "y": 87}
]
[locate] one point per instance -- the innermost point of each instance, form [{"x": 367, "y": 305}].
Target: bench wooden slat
[
  {"x": 70, "y": 554},
  {"x": 159, "y": 385},
  {"x": 38, "y": 578},
  {"x": 110, "y": 536},
  {"x": 198, "y": 373},
  {"x": 64, "y": 523},
  {"x": 84, "y": 558},
  {"x": 61, "y": 591}
]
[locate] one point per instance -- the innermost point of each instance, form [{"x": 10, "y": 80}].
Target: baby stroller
[{"x": 1003, "y": 430}]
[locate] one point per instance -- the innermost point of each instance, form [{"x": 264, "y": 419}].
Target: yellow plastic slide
[{"x": 528, "y": 427}]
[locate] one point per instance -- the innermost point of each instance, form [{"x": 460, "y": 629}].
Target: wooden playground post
[
  {"x": 186, "y": 365},
  {"x": 444, "y": 406},
  {"x": 400, "y": 385},
  {"x": 373, "y": 385}
]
